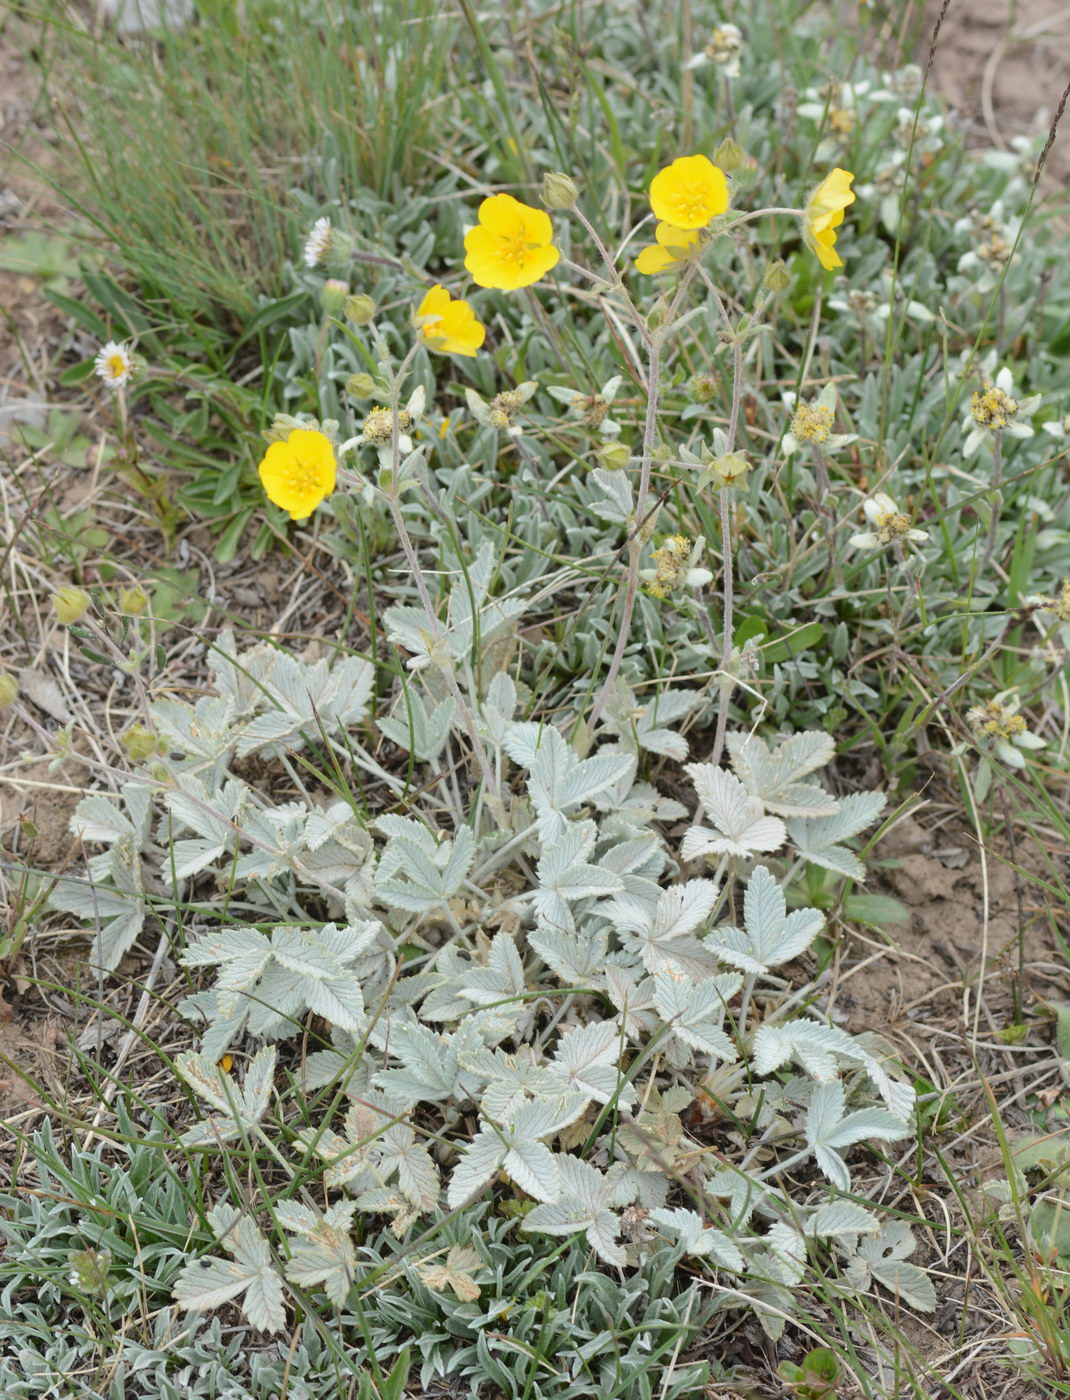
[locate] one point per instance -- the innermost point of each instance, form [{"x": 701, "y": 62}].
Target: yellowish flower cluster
[
  {"x": 992, "y": 409},
  {"x": 812, "y": 422},
  {"x": 993, "y": 721}
]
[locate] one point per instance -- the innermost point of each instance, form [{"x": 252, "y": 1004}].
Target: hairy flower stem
[
  {"x": 726, "y": 682},
  {"x": 997, "y": 477},
  {"x": 635, "y": 544}
]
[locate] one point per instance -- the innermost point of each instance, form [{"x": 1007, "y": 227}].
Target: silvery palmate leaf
[
  {"x": 771, "y": 935},
  {"x": 660, "y": 933},
  {"x": 559, "y": 780},
  {"x": 239, "y": 1110},
  {"x": 419, "y": 871},
  {"x": 644, "y": 726},
  {"x": 829, "y": 1130},
  {"x": 699, "y": 1239},
  {"x": 694, "y": 1010},
  {"x": 818, "y": 1049},
  {"x": 819, "y": 839},
  {"x": 566, "y": 876},
  {"x": 298, "y": 698},
  {"x": 324, "y": 1252},
  {"x": 516, "y": 1148},
  {"x": 777, "y": 776},
  {"x": 884, "y": 1258},
  {"x": 587, "y": 1198},
  {"x": 210, "y": 1282},
  {"x": 739, "y": 824},
  {"x": 418, "y": 725}
]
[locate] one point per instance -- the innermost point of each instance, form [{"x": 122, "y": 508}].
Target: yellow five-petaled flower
[
  {"x": 448, "y": 325},
  {"x": 824, "y": 214},
  {"x": 511, "y": 246},
  {"x": 689, "y": 193},
  {"x": 299, "y": 474},
  {"x": 674, "y": 246}
]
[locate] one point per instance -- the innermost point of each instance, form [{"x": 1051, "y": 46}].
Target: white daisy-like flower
[
  {"x": 740, "y": 826},
  {"x": 998, "y": 726},
  {"x": 812, "y": 422},
  {"x": 591, "y": 409},
  {"x": 996, "y": 409},
  {"x": 501, "y": 412},
  {"x": 114, "y": 364},
  {"x": 889, "y": 524},
  {"x": 318, "y": 242}
]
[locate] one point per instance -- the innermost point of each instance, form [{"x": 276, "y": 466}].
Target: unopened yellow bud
[
  {"x": 614, "y": 456},
  {"x": 70, "y": 604},
  {"x": 133, "y": 600},
  {"x": 333, "y": 295},
  {"x": 9, "y": 689},
  {"x": 558, "y": 190},
  {"x": 729, "y": 155},
  {"x": 777, "y": 277},
  {"x": 139, "y": 742},
  {"x": 361, "y": 386},
  {"x": 360, "y": 309}
]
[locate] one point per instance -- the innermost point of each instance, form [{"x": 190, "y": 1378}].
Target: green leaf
[
  {"x": 875, "y": 910},
  {"x": 794, "y": 643},
  {"x": 1062, "y": 1028}
]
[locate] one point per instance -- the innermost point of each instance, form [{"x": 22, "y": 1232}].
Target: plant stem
[
  {"x": 635, "y": 544},
  {"x": 726, "y": 684},
  {"x": 997, "y": 477}
]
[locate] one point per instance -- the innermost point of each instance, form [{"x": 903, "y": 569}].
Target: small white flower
[
  {"x": 1058, "y": 427},
  {"x": 812, "y": 422},
  {"x": 114, "y": 364},
  {"x": 723, "y": 48},
  {"x": 591, "y": 409},
  {"x": 740, "y": 826},
  {"x": 318, "y": 242},
  {"x": 889, "y": 524},
  {"x": 996, "y": 409}
]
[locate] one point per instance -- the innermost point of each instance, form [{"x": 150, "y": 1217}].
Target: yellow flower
[
  {"x": 674, "y": 245},
  {"x": 824, "y": 214},
  {"x": 511, "y": 246},
  {"x": 689, "y": 193},
  {"x": 297, "y": 474},
  {"x": 448, "y": 325}
]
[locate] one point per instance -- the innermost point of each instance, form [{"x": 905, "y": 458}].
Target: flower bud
[
  {"x": 333, "y": 295},
  {"x": 139, "y": 742},
  {"x": 701, "y": 388},
  {"x": 360, "y": 309},
  {"x": 9, "y": 689},
  {"x": 361, "y": 386},
  {"x": 133, "y": 600},
  {"x": 558, "y": 191},
  {"x": 614, "y": 455},
  {"x": 729, "y": 155},
  {"x": 70, "y": 604},
  {"x": 777, "y": 277}
]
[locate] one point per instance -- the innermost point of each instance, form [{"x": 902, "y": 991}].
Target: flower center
[
  {"x": 692, "y": 201},
  {"x": 892, "y": 525},
  {"x": 116, "y": 366},
  {"x": 993, "y": 409},
  {"x": 303, "y": 478},
  {"x": 516, "y": 249}
]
